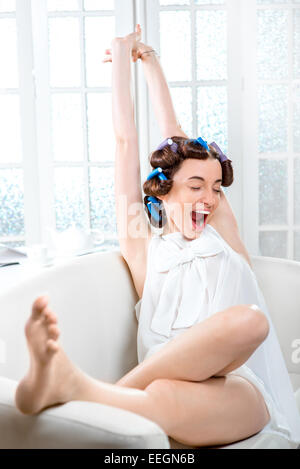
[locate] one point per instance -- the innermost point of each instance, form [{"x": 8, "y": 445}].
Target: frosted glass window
[
  {"x": 296, "y": 102},
  {"x": 182, "y": 99},
  {"x": 212, "y": 114},
  {"x": 269, "y": 2},
  {"x": 273, "y": 194},
  {"x": 273, "y": 118},
  {"x": 67, "y": 127},
  {"x": 11, "y": 202},
  {"x": 297, "y": 190},
  {"x": 297, "y": 246},
  {"x": 8, "y": 53},
  {"x": 211, "y": 38},
  {"x": 69, "y": 198},
  {"x": 101, "y": 139},
  {"x": 99, "y": 4},
  {"x": 63, "y": 5},
  {"x": 98, "y": 34},
  {"x": 64, "y": 52},
  {"x": 102, "y": 200},
  {"x": 210, "y": 2},
  {"x": 10, "y": 139},
  {"x": 273, "y": 243},
  {"x": 175, "y": 45},
  {"x": 296, "y": 13},
  {"x": 273, "y": 44},
  {"x": 7, "y": 6},
  {"x": 174, "y": 2}
]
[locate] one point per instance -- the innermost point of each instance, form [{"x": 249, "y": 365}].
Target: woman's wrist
[{"x": 148, "y": 54}]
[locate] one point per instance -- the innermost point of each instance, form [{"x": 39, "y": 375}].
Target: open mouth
[{"x": 199, "y": 219}]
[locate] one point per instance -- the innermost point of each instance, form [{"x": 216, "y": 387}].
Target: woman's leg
[
  {"x": 213, "y": 412},
  {"x": 213, "y": 347},
  {"x": 216, "y": 411}
]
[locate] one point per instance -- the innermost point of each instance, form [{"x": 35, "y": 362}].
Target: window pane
[
  {"x": 182, "y": 99},
  {"x": 101, "y": 139},
  {"x": 212, "y": 115},
  {"x": 262, "y": 2},
  {"x": 11, "y": 202},
  {"x": 98, "y": 33},
  {"x": 10, "y": 140},
  {"x": 273, "y": 243},
  {"x": 211, "y": 38},
  {"x": 67, "y": 127},
  {"x": 273, "y": 44},
  {"x": 8, "y": 53},
  {"x": 210, "y": 2},
  {"x": 297, "y": 190},
  {"x": 102, "y": 200},
  {"x": 99, "y": 4},
  {"x": 174, "y": 2},
  {"x": 273, "y": 118},
  {"x": 297, "y": 246},
  {"x": 175, "y": 50},
  {"x": 64, "y": 52},
  {"x": 296, "y": 109},
  {"x": 69, "y": 198},
  {"x": 63, "y": 5},
  {"x": 7, "y": 6},
  {"x": 273, "y": 194},
  {"x": 296, "y": 13}
]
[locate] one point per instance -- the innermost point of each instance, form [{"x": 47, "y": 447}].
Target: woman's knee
[
  {"x": 162, "y": 394},
  {"x": 247, "y": 324}
]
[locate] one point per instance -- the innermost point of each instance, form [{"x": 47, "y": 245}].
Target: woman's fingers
[{"x": 108, "y": 55}]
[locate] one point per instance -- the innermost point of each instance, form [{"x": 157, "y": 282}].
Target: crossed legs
[{"x": 183, "y": 387}]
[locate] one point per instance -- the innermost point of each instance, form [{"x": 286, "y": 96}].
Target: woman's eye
[{"x": 198, "y": 188}]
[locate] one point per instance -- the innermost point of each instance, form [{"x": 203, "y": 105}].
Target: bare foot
[{"x": 51, "y": 378}]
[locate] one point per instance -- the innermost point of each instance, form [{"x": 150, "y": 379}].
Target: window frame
[
  {"x": 242, "y": 86},
  {"x": 35, "y": 111}
]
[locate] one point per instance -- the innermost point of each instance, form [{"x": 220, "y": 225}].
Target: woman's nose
[{"x": 208, "y": 198}]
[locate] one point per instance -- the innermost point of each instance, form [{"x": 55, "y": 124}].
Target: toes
[
  {"x": 52, "y": 346},
  {"x": 49, "y": 316},
  {"x": 39, "y": 304},
  {"x": 53, "y": 332}
]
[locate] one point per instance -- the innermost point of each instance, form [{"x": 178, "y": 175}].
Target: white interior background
[{"x": 233, "y": 67}]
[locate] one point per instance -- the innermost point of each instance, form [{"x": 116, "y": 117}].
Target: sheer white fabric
[{"x": 188, "y": 281}]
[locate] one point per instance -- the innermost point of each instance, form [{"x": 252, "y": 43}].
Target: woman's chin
[{"x": 194, "y": 232}]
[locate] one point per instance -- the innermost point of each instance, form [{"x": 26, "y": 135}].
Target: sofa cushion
[{"x": 74, "y": 425}]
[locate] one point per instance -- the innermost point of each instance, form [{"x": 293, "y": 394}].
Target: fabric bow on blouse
[{"x": 183, "y": 292}]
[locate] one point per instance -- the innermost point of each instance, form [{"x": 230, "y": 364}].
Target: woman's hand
[{"x": 137, "y": 47}]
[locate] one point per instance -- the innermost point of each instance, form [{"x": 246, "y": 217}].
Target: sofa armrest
[{"x": 76, "y": 424}]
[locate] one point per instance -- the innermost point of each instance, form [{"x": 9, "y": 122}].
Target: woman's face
[{"x": 196, "y": 187}]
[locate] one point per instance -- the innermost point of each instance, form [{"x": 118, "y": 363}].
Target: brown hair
[{"x": 170, "y": 163}]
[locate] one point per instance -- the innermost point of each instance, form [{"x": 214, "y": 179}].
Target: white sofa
[{"x": 94, "y": 299}]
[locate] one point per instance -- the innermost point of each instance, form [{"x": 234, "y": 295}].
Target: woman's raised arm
[
  {"x": 133, "y": 227},
  {"x": 161, "y": 96}
]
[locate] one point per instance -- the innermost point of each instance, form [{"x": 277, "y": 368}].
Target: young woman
[{"x": 206, "y": 344}]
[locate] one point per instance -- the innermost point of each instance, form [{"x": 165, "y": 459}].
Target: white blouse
[{"x": 188, "y": 281}]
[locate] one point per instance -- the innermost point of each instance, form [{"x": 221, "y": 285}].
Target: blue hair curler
[
  {"x": 157, "y": 172},
  {"x": 202, "y": 142},
  {"x": 153, "y": 207},
  {"x": 198, "y": 141},
  {"x": 154, "y": 203}
]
